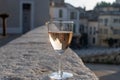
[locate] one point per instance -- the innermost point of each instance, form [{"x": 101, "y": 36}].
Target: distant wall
[
  {"x": 11, "y": 7},
  {"x": 40, "y": 14}
]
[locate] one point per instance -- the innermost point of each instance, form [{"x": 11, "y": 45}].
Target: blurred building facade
[
  {"x": 24, "y": 15},
  {"x": 97, "y": 27},
  {"x": 102, "y": 25},
  {"x": 61, "y": 11}
]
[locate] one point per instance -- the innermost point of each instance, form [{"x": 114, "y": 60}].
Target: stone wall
[
  {"x": 113, "y": 58},
  {"x": 31, "y": 57}
]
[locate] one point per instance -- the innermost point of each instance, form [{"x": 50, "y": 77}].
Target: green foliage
[{"x": 103, "y": 4}]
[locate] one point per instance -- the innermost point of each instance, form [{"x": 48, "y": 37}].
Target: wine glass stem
[{"x": 60, "y": 66}]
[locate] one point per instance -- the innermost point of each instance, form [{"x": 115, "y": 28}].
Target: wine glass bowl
[{"x": 60, "y": 35}]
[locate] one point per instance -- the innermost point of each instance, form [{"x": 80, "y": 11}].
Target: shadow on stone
[
  {"x": 12, "y": 78},
  {"x": 8, "y": 38}
]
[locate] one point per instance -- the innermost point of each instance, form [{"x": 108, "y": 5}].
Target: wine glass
[{"x": 60, "y": 35}]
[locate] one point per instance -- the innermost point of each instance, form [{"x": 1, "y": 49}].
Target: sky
[{"x": 89, "y": 4}]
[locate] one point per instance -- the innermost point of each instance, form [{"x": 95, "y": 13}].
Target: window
[
  {"x": 81, "y": 15},
  {"x": 72, "y": 15},
  {"x": 115, "y": 20},
  {"x": 116, "y": 31},
  {"x": 100, "y": 30},
  {"x": 60, "y": 13},
  {"x": 93, "y": 40},
  {"x": 94, "y": 30},
  {"x": 119, "y": 20},
  {"x": 106, "y": 21},
  {"x": 90, "y": 30},
  {"x": 81, "y": 29},
  {"x": 74, "y": 28},
  {"x": 26, "y": 6},
  {"x": 101, "y": 20},
  {"x": 62, "y": 1},
  {"x": 105, "y": 31},
  {"x": 85, "y": 29}
]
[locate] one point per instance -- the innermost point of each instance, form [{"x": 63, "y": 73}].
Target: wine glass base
[{"x": 57, "y": 76}]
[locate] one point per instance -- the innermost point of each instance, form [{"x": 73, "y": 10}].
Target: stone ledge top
[{"x": 31, "y": 57}]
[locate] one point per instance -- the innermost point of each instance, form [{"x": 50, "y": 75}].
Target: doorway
[{"x": 26, "y": 17}]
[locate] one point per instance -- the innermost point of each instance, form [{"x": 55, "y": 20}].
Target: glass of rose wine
[{"x": 60, "y": 35}]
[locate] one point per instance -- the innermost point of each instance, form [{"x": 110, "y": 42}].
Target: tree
[{"x": 103, "y": 4}]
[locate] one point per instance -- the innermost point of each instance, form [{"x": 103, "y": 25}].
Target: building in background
[
  {"x": 109, "y": 28},
  {"x": 93, "y": 33},
  {"x": 61, "y": 11},
  {"x": 102, "y": 25},
  {"x": 24, "y": 15},
  {"x": 109, "y": 25},
  {"x": 97, "y": 27}
]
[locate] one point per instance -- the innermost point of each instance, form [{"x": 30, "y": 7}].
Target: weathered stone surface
[
  {"x": 113, "y": 58},
  {"x": 31, "y": 57}
]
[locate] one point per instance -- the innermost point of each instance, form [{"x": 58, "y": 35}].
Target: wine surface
[{"x": 60, "y": 40}]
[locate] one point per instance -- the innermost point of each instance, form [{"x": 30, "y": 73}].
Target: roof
[
  {"x": 110, "y": 13},
  {"x": 114, "y": 5},
  {"x": 60, "y": 5},
  {"x": 70, "y": 6}
]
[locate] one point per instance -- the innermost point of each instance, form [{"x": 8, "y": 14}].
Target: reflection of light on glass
[
  {"x": 55, "y": 43},
  {"x": 60, "y": 40},
  {"x": 52, "y": 4}
]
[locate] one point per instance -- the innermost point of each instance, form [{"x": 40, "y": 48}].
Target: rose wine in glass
[{"x": 60, "y": 35}]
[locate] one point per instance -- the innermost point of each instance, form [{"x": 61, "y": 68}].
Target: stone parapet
[{"x": 31, "y": 57}]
